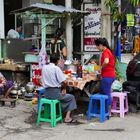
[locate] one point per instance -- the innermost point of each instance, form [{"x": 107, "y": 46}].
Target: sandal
[
  {"x": 71, "y": 121},
  {"x": 68, "y": 121}
]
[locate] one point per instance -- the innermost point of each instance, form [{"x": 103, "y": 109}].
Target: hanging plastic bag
[
  {"x": 61, "y": 63},
  {"x": 116, "y": 86},
  {"x": 42, "y": 57}
]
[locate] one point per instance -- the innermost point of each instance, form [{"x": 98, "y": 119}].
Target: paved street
[{"x": 19, "y": 124}]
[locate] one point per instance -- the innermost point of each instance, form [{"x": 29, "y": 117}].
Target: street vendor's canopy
[{"x": 49, "y": 8}]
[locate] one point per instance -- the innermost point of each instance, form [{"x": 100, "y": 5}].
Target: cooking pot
[
  {"x": 15, "y": 86},
  {"x": 14, "y": 91},
  {"x": 30, "y": 87},
  {"x": 23, "y": 90},
  {"x": 19, "y": 92}
]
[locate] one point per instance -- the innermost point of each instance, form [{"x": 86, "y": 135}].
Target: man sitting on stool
[{"x": 54, "y": 81}]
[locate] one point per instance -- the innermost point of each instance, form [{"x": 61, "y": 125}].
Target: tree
[
  {"x": 112, "y": 4},
  {"x": 117, "y": 19},
  {"x": 114, "y": 9},
  {"x": 135, "y": 2}
]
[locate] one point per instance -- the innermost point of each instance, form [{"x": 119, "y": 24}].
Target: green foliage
[
  {"x": 114, "y": 10},
  {"x": 112, "y": 4},
  {"x": 135, "y": 2}
]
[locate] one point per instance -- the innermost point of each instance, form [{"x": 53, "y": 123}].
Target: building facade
[{"x": 80, "y": 32}]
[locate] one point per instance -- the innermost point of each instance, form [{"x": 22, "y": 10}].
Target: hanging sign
[{"x": 92, "y": 26}]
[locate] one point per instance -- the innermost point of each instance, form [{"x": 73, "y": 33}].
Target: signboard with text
[{"x": 92, "y": 26}]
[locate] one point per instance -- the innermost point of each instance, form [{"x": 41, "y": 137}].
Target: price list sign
[{"x": 92, "y": 26}]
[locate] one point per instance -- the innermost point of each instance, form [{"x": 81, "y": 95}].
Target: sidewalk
[{"x": 19, "y": 123}]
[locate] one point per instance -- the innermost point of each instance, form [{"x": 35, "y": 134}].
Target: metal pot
[
  {"x": 19, "y": 92},
  {"x": 23, "y": 90},
  {"x": 14, "y": 91},
  {"x": 15, "y": 86},
  {"x": 30, "y": 87}
]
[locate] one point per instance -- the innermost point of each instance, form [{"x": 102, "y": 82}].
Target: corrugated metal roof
[{"x": 50, "y": 7}]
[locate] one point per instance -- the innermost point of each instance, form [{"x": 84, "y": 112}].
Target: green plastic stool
[{"x": 50, "y": 112}]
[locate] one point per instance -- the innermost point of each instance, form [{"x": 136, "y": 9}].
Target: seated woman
[{"x": 5, "y": 86}]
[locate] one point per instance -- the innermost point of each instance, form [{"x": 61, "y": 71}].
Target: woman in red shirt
[{"x": 107, "y": 66}]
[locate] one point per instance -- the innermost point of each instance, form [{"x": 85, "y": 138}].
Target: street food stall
[
  {"x": 43, "y": 19},
  {"x": 47, "y": 17}
]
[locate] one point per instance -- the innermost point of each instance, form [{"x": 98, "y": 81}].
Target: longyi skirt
[{"x": 67, "y": 101}]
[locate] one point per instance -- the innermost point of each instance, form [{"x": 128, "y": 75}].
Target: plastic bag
[
  {"x": 116, "y": 86},
  {"x": 42, "y": 57}
]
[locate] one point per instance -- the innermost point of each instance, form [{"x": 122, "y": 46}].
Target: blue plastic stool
[
  {"x": 101, "y": 112},
  {"x": 41, "y": 92}
]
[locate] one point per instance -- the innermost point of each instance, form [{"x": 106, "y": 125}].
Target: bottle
[{"x": 79, "y": 71}]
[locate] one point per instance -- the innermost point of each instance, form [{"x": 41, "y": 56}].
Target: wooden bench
[{"x": 12, "y": 101}]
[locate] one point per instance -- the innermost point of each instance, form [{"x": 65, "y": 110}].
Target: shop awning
[{"x": 49, "y": 8}]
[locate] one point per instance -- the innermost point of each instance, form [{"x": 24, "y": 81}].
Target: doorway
[{"x": 10, "y": 5}]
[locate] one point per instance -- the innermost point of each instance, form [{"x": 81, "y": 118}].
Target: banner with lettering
[{"x": 92, "y": 26}]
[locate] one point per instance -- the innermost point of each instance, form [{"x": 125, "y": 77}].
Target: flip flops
[
  {"x": 73, "y": 122},
  {"x": 70, "y": 121}
]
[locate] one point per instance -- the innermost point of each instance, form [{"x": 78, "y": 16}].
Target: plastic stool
[
  {"x": 50, "y": 114},
  {"x": 103, "y": 111},
  {"x": 119, "y": 98},
  {"x": 41, "y": 92}
]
